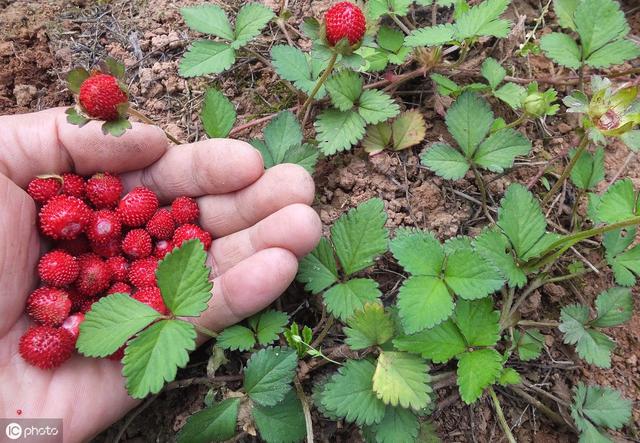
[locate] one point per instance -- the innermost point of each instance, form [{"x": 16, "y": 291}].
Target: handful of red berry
[{"x": 102, "y": 245}]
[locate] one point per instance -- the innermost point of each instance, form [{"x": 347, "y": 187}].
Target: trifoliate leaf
[
  {"x": 593, "y": 346},
  {"x": 493, "y": 72},
  {"x": 369, "y": 327},
  {"x": 494, "y": 247},
  {"x": 423, "y": 302},
  {"x": 439, "y": 344},
  {"x": 343, "y": 299},
  {"x": 408, "y": 129},
  {"x": 478, "y": 322},
  {"x": 375, "y": 106},
  {"x": 111, "y": 321},
  {"x": 294, "y": 65},
  {"x": 236, "y": 338},
  {"x": 208, "y": 19},
  {"x": 269, "y": 373},
  {"x": 564, "y": 10},
  {"x": 614, "y": 53},
  {"x": 529, "y": 344},
  {"x": 339, "y": 130},
  {"x": 216, "y": 423},
  {"x": 470, "y": 276},
  {"x": 318, "y": 269},
  {"x": 401, "y": 379},
  {"x": 500, "y": 149},
  {"x": 511, "y": 94},
  {"x": 601, "y": 406},
  {"x": 477, "y": 370},
  {"x": 349, "y": 394},
  {"x": 206, "y": 57},
  {"x": 377, "y": 138},
  {"x": 344, "y": 88},
  {"x": 268, "y": 324},
  {"x": 599, "y": 22},
  {"x": 282, "y": 423},
  {"x": 469, "y": 121},
  {"x": 154, "y": 356},
  {"x": 218, "y": 114},
  {"x": 419, "y": 252},
  {"x": 399, "y": 425},
  {"x": 618, "y": 203},
  {"x": 483, "y": 19},
  {"x": 432, "y": 36},
  {"x": 561, "y": 49},
  {"x": 445, "y": 161},
  {"x": 588, "y": 170},
  {"x": 359, "y": 236},
  {"x": 183, "y": 279},
  {"x": 250, "y": 21},
  {"x": 614, "y": 307}
]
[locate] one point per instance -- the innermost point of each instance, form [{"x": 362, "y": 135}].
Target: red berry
[
  {"x": 76, "y": 246},
  {"x": 72, "y": 325},
  {"x": 151, "y": 296},
  {"x": 46, "y": 347},
  {"x": 163, "y": 247},
  {"x": 344, "y": 20},
  {"x": 161, "y": 225},
  {"x": 44, "y": 189},
  {"x": 107, "y": 250},
  {"x": 185, "y": 210},
  {"x": 94, "y": 275},
  {"x": 137, "y": 244},
  {"x": 119, "y": 267},
  {"x": 103, "y": 227},
  {"x": 58, "y": 268},
  {"x": 188, "y": 232},
  {"x": 137, "y": 207},
  {"x": 100, "y": 96},
  {"x": 77, "y": 300},
  {"x": 64, "y": 217},
  {"x": 119, "y": 288},
  {"x": 73, "y": 185},
  {"x": 118, "y": 355},
  {"x": 103, "y": 190},
  {"x": 143, "y": 272},
  {"x": 48, "y": 306},
  {"x": 87, "y": 304}
]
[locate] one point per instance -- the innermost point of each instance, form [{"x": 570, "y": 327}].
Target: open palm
[{"x": 260, "y": 221}]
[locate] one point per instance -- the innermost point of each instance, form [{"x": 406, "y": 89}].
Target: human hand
[{"x": 260, "y": 221}]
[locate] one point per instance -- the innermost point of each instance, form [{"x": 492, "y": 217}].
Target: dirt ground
[{"x": 40, "y": 41}]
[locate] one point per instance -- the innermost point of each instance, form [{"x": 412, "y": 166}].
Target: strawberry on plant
[
  {"x": 189, "y": 232},
  {"x": 46, "y": 347},
  {"x": 94, "y": 276},
  {"x": 137, "y": 244},
  {"x": 344, "y": 20},
  {"x": 142, "y": 273},
  {"x": 42, "y": 189},
  {"x": 137, "y": 207},
  {"x": 162, "y": 248},
  {"x": 162, "y": 225},
  {"x": 119, "y": 288},
  {"x": 119, "y": 267},
  {"x": 72, "y": 325},
  {"x": 58, "y": 268},
  {"x": 64, "y": 217},
  {"x": 103, "y": 190},
  {"x": 185, "y": 210},
  {"x": 48, "y": 306},
  {"x": 103, "y": 227},
  {"x": 152, "y": 297},
  {"x": 73, "y": 185},
  {"x": 101, "y": 96}
]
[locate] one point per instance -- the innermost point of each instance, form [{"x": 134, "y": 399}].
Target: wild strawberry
[
  {"x": 73, "y": 185},
  {"x": 103, "y": 227},
  {"x": 161, "y": 225},
  {"x": 103, "y": 190},
  {"x": 44, "y": 189},
  {"x": 118, "y": 355},
  {"x": 137, "y": 244},
  {"x": 344, "y": 20},
  {"x": 142, "y": 273},
  {"x": 151, "y": 296},
  {"x": 72, "y": 325},
  {"x": 58, "y": 268},
  {"x": 87, "y": 304},
  {"x": 119, "y": 288},
  {"x": 185, "y": 210},
  {"x": 137, "y": 207},
  {"x": 48, "y": 306},
  {"x": 100, "y": 96},
  {"x": 76, "y": 246},
  {"x": 94, "y": 276},
  {"x": 162, "y": 248},
  {"x": 64, "y": 217},
  {"x": 109, "y": 249},
  {"x": 46, "y": 347},
  {"x": 119, "y": 267},
  {"x": 188, "y": 232},
  {"x": 77, "y": 300}
]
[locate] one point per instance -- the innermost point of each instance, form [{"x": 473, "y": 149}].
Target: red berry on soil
[
  {"x": 76, "y": 246},
  {"x": 103, "y": 190},
  {"x": 72, "y": 325},
  {"x": 185, "y": 210},
  {"x": 94, "y": 276},
  {"x": 142, "y": 273},
  {"x": 46, "y": 347},
  {"x": 64, "y": 217},
  {"x": 58, "y": 268},
  {"x": 100, "y": 96},
  {"x": 48, "y": 306},
  {"x": 188, "y": 232},
  {"x": 137, "y": 244},
  {"x": 151, "y": 296},
  {"x": 103, "y": 227},
  {"x": 344, "y": 20},
  {"x": 137, "y": 207},
  {"x": 73, "y": 185},
  {"x": 108, "y": 250},
  {"x": 44, "y": 189},
  {"x": 161, "y": 225},
  {"x": 119, "y": 288},
  {"x": 119, "y": 267},
  {"x": 162, "y": 248}
]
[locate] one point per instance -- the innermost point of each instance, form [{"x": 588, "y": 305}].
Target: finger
[
  {"x": 248, "y": 287},
  {"x": 280, "y": 186},
  {"x": 44, "y": 142},
  {"x": 207, "y": 167},
  {"x": 296, "y": 228}
]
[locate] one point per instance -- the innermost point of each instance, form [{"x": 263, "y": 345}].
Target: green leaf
[
  {"x": 445, "y": 161},
  {"x": 359, "y": 236},
  {"x": 208, "y": 19},
  {"x": 344, "y": 88},
  {"x": 344, "y": 299},
  {"x": 294, "y": 65},
  {"x": 484, "y": 19},
  {"x": 377, "y": 138},
  {"x": 614, "y": 306},
  {"x": 500, "y": 149},
  {"x": 390, "y": 39},
  {"x": 338, "y": 130},
  {"x": 564, "y": 12},
  {"x": 631, "y": 139},
  {"x": 470, "y": 276},
  {"x": 111, "y": 321},
  {"x": 206, "y": 57},
  {"x": 217, "y": 423},
  {"x": 423, "y": 302},
  {"x": 399, "y": 425},
  {"x": 269, "y": 373},
  {"x": 618, "y": 240},
  {"x": 599, "y": 22},
  {"x": 529, "y": 344},
  {"x": 401, "y": 379},
  {"x": 318, "y": 269},
  {"x": 250, "y": 21},
  {"x": 493, "y": 72},
  {"x": 593, "y": 346},
  {"x": 236, "y": 338},
  {"x": 268, "y": 324},
  {"x": 75, "y": 78},
  {"x": 282, "y": 423},
  {"x": 408, "y": 129},
  {"x": 478, "y": 322},
  {"x": 477, "y": 370},
  {"x": 116, "y": 127},
  {"x": 445, "y": 85},
  {"x": 562, "y": 49},
  {"x": 626, "y": 266},
  {"x": 183, "y": 278},
  {"x": 281, "y": 133},
  {"x": 218, "y": 114},
  {"x": 419, "y": 252},
  {"x": 432, "y": 36},
  {"x": 511, "y": 94},
  {"x": 375, "y": 106},
  {"x": 588, "y": 170},
  {"x": 509, "y": 376},
  {"x": 495, "y": 248},
  {"x": 154, "y": 356},
  {"x": 614, "y": 53},
  {"x": 600, "y": 405},
  {"x": 439, "y": 344},
  {"x": 349, "y": 394},
  {"x": 469, "y": 121},
  {"x": 618, "y": 203},
  {"x": 369, "y": 327},
  {"x": 75, "y": 118}
]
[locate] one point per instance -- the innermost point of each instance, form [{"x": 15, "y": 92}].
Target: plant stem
[
  {"x": 305, "y": 409},
  {"x": 515, "y": 123},
  {"x": 556, "y": 418},
  {"x": 205, "y": 331},
  {"x": 321, "y": 80},
  {"x": 400, "y": 24},
  {"x": 483, "y": 192},
  {"x": 565, "y": 277},
  {"x": 501, "y": 419},
  {"x": 581, "y": 147},
  {"x": 140, "y": 116},
  {"x": 535, "y": 284},
  {"x": 507, "y": 301},
  {"x": 542, "y": 324}
]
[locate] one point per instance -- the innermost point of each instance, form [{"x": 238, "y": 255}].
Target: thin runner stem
[
  {"x": 321, "y": 80},
  {"x": 140, "y": 116},
  {"x": 501, "y": 419},
  {"x": 581, "y": 147}
]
